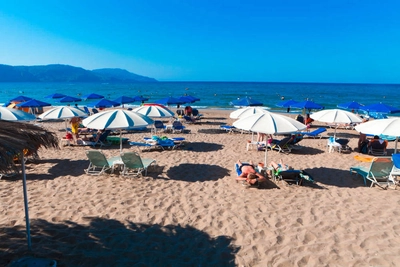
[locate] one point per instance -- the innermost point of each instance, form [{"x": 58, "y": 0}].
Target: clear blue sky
[{"x": 209, "y": 40}]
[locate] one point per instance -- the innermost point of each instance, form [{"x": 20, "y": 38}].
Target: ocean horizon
[{"x": 213, "y": 95}]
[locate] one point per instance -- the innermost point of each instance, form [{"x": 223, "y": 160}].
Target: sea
[{"x": 213, "y": 95}]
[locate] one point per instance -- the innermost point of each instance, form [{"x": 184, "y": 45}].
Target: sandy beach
[{"x": 190, "y": 211}]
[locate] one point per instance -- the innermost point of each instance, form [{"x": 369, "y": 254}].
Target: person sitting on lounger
[
  {"x": 378, "y": 143},
  {"x": 249, "y": 174},
  {"x": 278, "y": 167}
]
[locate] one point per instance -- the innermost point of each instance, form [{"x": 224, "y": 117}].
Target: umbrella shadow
[
  {"x": 103, "y": 242},
  {"x": 191, "y": 172},
  {"x": 203, "y": 147},
  {"x": 212, "y": 131},
  {"x": 336, "y": 177}
]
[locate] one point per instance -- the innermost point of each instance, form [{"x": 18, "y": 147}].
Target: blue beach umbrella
[
  {"x": 20, "y": 98},
  {"x": 140, "y": 98},
  {"x": 307, "y": 105},
  {"x": 192, "y": 99},
  {"x": 350, "y": 105},
  {"x": 186, "y": 99},
  {"x": 380, "y": 108},
  {"x": 33, "y": 103},
  {"x": 246, "y": 102},
  {"x": 55, "y": 95},
  {"x": 103, "y": 103},
  {"x": 67, "y": 99},
  {"x": 169, "y": 101},
  {"x": 286, "y": 103},
  {"x": 92, "y": 96},
  {"x": 124, "y": 100}
]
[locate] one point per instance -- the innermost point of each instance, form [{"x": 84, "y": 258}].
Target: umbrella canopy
[
  {"x": 286, "y": 103},
  {"x": 117, "y": 119},
  {"x": 389, "y": 127},
  {"x": 169, "y": 101},
  {"x": 62, "y": 113},
  {"x": 124, "y": 100},
  {"x": 140, "y": 98},
  {"x": 246, "y": 102},
  {"x": 103, "y": 103},
  {"x": 381, "y": 108},
  {"x": 92, "y": 96},
  {"x": 336, "y": 116},
  {"x": 10, "y": 114},
  {"x": 67, "y": 99},
  {"x": 350, "y": 105},
  {"x": 245, "y": 112},
  {"x": 20, "y": 98},
  {"x": 154, "y": 111},
  {"x": 307, "y": 105},
  {"x": 56, "y": 95},
  {"x": 191, "y": 98},
  {"x": 185, "y": 99},
  {"x": 14, "y": 139},
  {"x": 33, "y": 103},
  {"x": 269, "y": 123}
]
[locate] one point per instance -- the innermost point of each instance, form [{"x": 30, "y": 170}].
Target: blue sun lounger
[{"x": 316, "y": 133}]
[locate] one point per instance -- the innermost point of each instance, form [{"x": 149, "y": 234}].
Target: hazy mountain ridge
[{"x": 67, "y": 73}]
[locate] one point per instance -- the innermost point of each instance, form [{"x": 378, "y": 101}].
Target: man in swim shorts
[{"x": 249, "y": 174}]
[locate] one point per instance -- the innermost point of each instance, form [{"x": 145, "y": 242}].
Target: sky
[{"x": 209, "y": 40}]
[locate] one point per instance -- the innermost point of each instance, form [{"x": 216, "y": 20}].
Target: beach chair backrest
[
  {"x": 103, "y": 136},
  {"x": 381, "y": 167},
  {"x": 396, "y": 160},
  {"x": 97, "y": 158},
  {"x": 131, "y": 160},
  {"x": 158, "y": 125}
]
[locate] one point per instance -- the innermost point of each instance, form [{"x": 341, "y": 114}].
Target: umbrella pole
[
  {"x": 120, "y": 141},
  {"x": 395, "y": 144},
  {"x": 28, "y": 231}
]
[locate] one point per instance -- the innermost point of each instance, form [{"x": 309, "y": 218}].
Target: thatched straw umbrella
[{"x": 15, "y": 137}]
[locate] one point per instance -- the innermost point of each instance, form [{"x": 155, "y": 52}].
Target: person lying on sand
[{"x": 249, "y": 174}]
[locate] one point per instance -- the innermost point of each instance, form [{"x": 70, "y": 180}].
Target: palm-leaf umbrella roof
[{"x": 14, "y": 138}]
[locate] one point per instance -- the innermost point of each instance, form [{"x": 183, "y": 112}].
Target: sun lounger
[
  {"x": 378, "y": 172},
  {"x": 316, "y": 133}
]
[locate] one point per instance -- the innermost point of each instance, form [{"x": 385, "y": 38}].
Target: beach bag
[{"x": 364, "y": 147}]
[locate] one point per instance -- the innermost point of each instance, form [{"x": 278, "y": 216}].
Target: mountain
[{"x": 66, "y": 73}]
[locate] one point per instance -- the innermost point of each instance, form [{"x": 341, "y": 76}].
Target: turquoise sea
[{"x": 214, "y": 94}]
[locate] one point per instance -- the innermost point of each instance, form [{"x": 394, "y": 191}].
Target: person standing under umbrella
[{"x": 75, "y": 123}]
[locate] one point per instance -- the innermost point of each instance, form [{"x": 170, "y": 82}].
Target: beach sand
[{"x": 189, "y": 210}]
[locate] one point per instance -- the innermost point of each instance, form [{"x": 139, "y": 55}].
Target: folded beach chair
[
  {"x": 316, "y": 133},
  {"x": 134, "y": 164},
  {"x": 378, "y": 172},
  {"x": 395, "y": 172},
  {"x": 99, "y": 164}
]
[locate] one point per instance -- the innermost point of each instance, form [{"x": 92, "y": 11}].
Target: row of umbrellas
[
  {"x": 353, "y": 105},
  {"x": 102, "y": 102}
]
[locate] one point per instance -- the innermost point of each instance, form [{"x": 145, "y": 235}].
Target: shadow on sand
[
  {"x": 204, "y": 172},
  {"x": 107, "y": 242}
]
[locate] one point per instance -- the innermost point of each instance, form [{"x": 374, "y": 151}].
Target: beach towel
[{"x": 363, "y": 158}]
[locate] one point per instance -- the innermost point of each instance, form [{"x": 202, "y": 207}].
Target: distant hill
[{"x": 66, "y": 73}]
